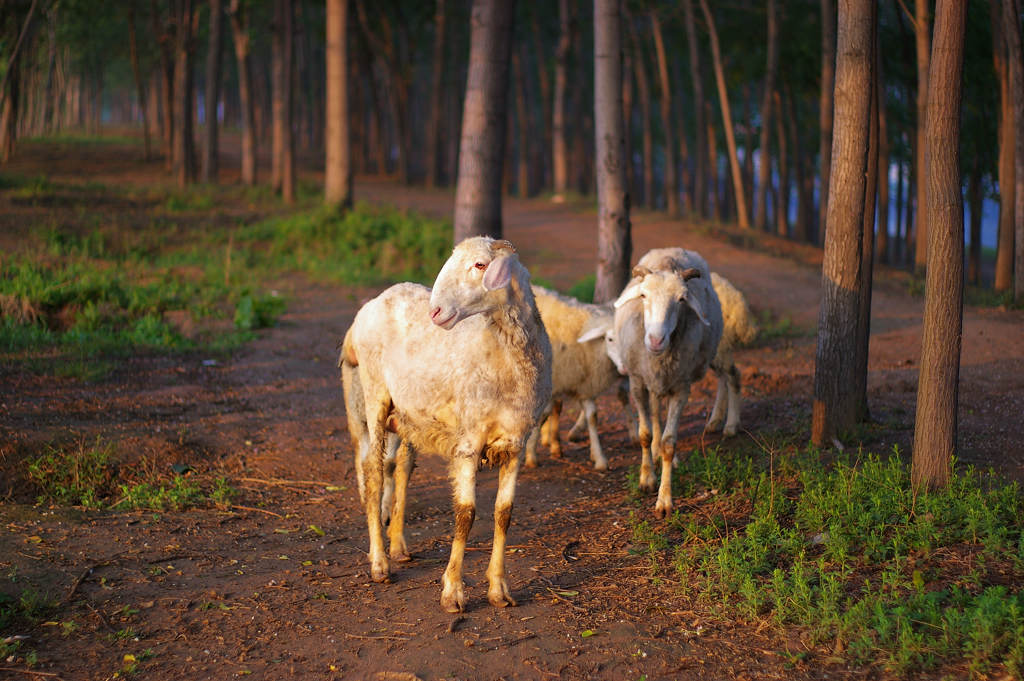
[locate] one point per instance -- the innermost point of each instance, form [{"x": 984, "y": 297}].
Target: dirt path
[{"x": 279, "y": 586}]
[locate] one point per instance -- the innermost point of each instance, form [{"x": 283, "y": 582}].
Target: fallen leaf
[
  {"x": 316, "y": 530},
  {"x": 587, "y": 633},
  {"x": 568, "y": 593}
]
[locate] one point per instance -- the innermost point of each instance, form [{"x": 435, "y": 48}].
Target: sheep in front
[
  {"x": 471, "y": 385},
  {"x": 668, "y": 323},
  {"x": 579, "y": 371}
]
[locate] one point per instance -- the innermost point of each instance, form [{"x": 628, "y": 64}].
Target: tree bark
[
  {"x": 166, "y": 40},
  {"x": 544, "y": 81},
  {"x": 436, "y": 92},
  {"x": 783, "y": 195},
  {"x": 835, "y": 407},
  {"x": 764, "y": 174},
  {"x": 828, "y": 72},
  {"x": 560, "y": 146},
  {"x": 935, "y": 425},
  {"x": 211, "y": 151},
  {"x": 665, "y": 103},
  {"x": 338, "y": 169},
  {"x": 627, "y": 113},
  {"x": 882, "y": 247},
  {"x": 867, "y": 253},
  {"x": 1007, "y": 168},
  {"x": 184, "y": 142},
  {"x": 614, "y": 242},
  {"x": 922, "y": 31},
  {"x": 284, "y": 99},
  {"x": 1015, "y": 58},
  {"x": 522, "y": 128},
  {"x": 644, "y": 96},
  {"x": 478, "y": 189},
  {"x": 701, "y": 170},
  {"x": 240, "y": 36},
  {"x": 715, "y": 198},
  {"x": 140, "y": 88},
  {"x": 730, "y": 138}
]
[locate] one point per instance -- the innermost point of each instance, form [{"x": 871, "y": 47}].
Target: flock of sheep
[{"x": 482, "y": 381}]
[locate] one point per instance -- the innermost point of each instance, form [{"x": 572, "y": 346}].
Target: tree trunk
[
  {"x": 436, "y": 92},
  {"x": 9, "y": 113},
  {"x": 882, "y": 248},
  {"x": 922, "y": 31},
  {"x": 140, "y": 88},
  {"x": 627, "y": 114},
  {"x": 764, "y": 167},
  {"x": 522, "y": 128},
  {"x": 277, "y": 100},
  {"x": 730, "y": 138},
  {"x": 782, "y": 199},
  {"x": 804, "y": 178},
  {"x": 835, "y": 406},
  {"x": 184, "y": 143},
  {"x": 338, "y": 168},
  {"x": 1015, "y": 57},
  {"x": 211, "y": 151},
  {"x": 240, "y": 35},
  {"x": 544, "y": 80},
  {"x": 826, "y": 110},
  {"x": 166, "y": 41},
  {"x": 867, "y": 253},
  {"x": 935, "y": 425},
  {"x": 478, "y": 189},
  {"x": 284, "y": 99},
  {"x": 614, "y": 241},
  {"x": 896, "y": 241},
  {"x": 716, "y": 196},
  {"x": 701, "y": 170},
  {"x": 644, "y": 95},
  {"x": 560, "y": 146},
  {"x": 1007, "y": 169},
  {"x": 975, "y": 197},
  {"x": 665, "y": 102}
]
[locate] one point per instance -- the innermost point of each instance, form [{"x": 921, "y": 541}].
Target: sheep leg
[
  {"x": 373, "y": 474},
  {"x": 554, "y": 444},
  {"x": 667, "y": 448},
  {"x": 387, "y": 497},
  {"x": 638, "y": 393},
  {"x": 656, "y": 432},
  {"x": 631, "y": 425},
  {"x": 576, "y": 432},
  {"x": 720, "y": 410},
  {"x": 546, "y": 426},
  {"x": 531, "y": 441},
  {"x": 732, "y": 422},
  {"x": 463, "y": 470},
  {"x": 498, "y": 592},
  {"x": 405, "y": 457},
  {"x": 590, "y": 411}
]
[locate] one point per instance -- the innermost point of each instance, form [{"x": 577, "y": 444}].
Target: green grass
[{"x": 849, "y": 554}]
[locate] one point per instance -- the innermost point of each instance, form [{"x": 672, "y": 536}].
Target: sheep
[
  {"x": 579, "y": 370},
  {"x": 668, "y": 323},
  {"x": 470, "y": 386}
]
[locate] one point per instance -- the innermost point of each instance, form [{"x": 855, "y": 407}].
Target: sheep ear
[
  {"x": 498, "y": 273},
  {"x": 632, "y": 292},
  {"x": 695, "y": 306},
  {"x": 595, "y": 328}
]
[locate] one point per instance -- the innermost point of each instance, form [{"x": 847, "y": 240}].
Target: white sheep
[
  {"x": 579, "y": 371},
  {"x": 469, "y": 386},
  {"x": 668, "y": 323}
]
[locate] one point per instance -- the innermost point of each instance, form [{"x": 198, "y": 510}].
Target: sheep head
[
  {"x": 663, "y": 295},
  {"x": 601, "y": 325},
  {"x": 468, "y": 281}
]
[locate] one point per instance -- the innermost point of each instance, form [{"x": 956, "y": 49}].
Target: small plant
[
  {"x": 154, "y": 496},
  {"x": 583, "y": 289},
  {"x": 222, "y": 493},
  {"x": 78, "y": 477}
]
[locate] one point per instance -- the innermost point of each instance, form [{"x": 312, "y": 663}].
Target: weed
[
  {"x": 179, "y": 494},
  {"x": 80, "y": 477}
]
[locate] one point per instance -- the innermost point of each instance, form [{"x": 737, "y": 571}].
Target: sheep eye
[{"x": 480, "y": 266}]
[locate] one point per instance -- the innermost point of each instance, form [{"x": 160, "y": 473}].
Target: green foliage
[
  {"x": 852, "y": 555},
  {"x": 80, "y": 477},
  {"x": 258, "y": 312},
  {"x": 583, "y": 289},
  {"x": 178, "y": 494}
]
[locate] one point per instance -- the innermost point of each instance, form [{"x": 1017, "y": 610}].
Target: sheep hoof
[
  {"x": 499, "y": 594},
  {"x": 575, "y": 436},
  {"x": 601, "y": 464},
  {"x": 715, "y": 426},
  {"x": 453, "y": 597},
  {"x": 400, "y": 554},
  {"x": 530, "y": 462},
  {"x": 662, "y": 511},
  {"x": 380, "y": 572},
  {"x": 730, "y": 430}
]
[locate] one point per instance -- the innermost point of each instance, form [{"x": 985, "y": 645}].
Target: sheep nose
[
  {"x": 655, "y": 342},
  {"x": 436, "y": 311}
]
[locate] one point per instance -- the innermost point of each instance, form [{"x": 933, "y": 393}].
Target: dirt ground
[{"x": 279, "y": 587}]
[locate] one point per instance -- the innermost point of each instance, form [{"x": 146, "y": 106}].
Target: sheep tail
[{"x": 348, "y": 352}]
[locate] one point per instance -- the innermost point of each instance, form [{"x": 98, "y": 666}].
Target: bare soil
[{"x": 279, "y": 587}]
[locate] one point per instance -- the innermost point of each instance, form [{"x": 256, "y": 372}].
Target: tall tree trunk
[
  {"x": 730, "y": 138},
  {"x": 338, "y": 169},
  {"x": 922, "y": 31},
  {"x": 975, "y": 197},
  {"x": 804, "y": 228},
  {"x": 166, "y": 41},
  {"x": 614, "y": 240},
  {"x": 644, "y": 95},
  {"x": 277, "y": 100},
  {"x": 9, "y": 112},
  {"x": 184, "y": 142},
  {"x": 764, "y": 175},
  {"x": 782, "y": 200},
  {"x": 826, "y": 110},
  {"x": 240, "y": 36},
  {"x": 287, "y": 96},
  {"x": 547, "y": 116},
  {"x": 701, "y": 169},
  {"x": 835, "y": 406},
  {"x": 436, "y": 93},
  {"x": 897, "y": 237},
  {"x": 935, "y": 425},
  {"x": 867, "y": 253},
  {"x": 1015, "y": 57},
  {"x": 140, "y": 88},
  {"x": 715, "y": 198},
  {"x": 665, "y": 102},
  {"x": 211, "y": 151},
  {"x": 1007, "y": 169},
  {"x": 51, "y": 68},
  {"x": 882, "y": 249},
  {"x": 522, "y": 128},
  {"x": 560, "y": 146},
  {"x": 627, "y": 114},
  {"x": 478, "y": 189}
]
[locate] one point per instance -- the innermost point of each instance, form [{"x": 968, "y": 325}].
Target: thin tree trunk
[
  {"x": 701, "y": 170},
  {"x": 1015, "y": 57},
  {"x": 826, "y": 109},
  {"x": 935, "y": 425},
  {"x": 867, "y": 253},
  {"x": 287, "y": 95},
  {"x": 897, "y": 237},
  {"x": 544, "y": 80},
  {"x": 522, "y": 128},
  {"x": 783, "y": 195},
  {"x": 338, "y": 169},
  {"x": 882, "y": 249},
  {"x": 560, "y": 147},
  {"x": 51, "y": 68},
  {"x": 716, "y": 211},
  {"x": 240, "y": 35},
  {"x": 804, "y": 179},
  {"x": 184, "y": 142},
  {"x": 277, "y": 100},
  {"x": 211, "y": 151},
  {"x": 730, "y": 138},
  {"x": 644, "y": 95},
  {"x": 166, "y": 42},
  {"x": 9, "y": 111},
  {"x": 764, "y": 168},
  {"x": 436, "y": 92},
  {"x": 478, "y": 189},
  {"x": 140, "y": 88},
  {"x": 665, "y": 102},
  {"x": 627, "y": 114},
  {"x": 922, "y": 32},
  {"x": 835, "y": 407},
  {"x": 614, "y": 241},
  {"x": 1007, "y": 169}
]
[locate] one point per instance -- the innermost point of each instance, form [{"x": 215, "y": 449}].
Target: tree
[
  {"x": 482, "y": 150},
  {"x": 436, "y": 91},
  {"x": 825, "y": 114},
  {"x": 644, "y": 97},
  {"x": 240, "y": 36},
  {"x": 338, "y": 167},
  {"x": 1015, "y": 57},
  {"x": 184, "y": 156},
  {"x": 614, "y": 244},
  {"x": 1004, "y": 248},
  {"x": 283, "y": 88},
  {"x": 935, "y": 425},
  {"x": 867, "y": 253},
  {"x": 559, "y": 143},
  {"x": 730, "y": 138},
  {"x": 764, "y": 166},
  {"x": 835, "y": 407},
  {"x": 671, "y": 181},
  {"x": 211, "y": 154},
  {"x": 922, "y": 29},
  {"x": 140, "y": 89},
  {"x": 701, "y": 171}
]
